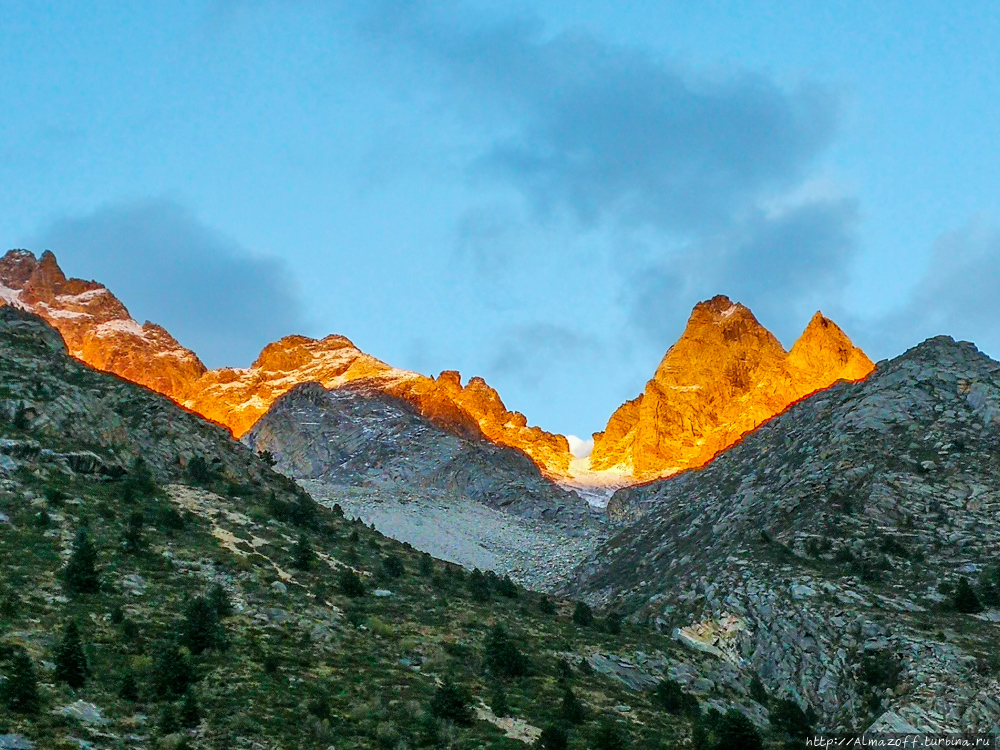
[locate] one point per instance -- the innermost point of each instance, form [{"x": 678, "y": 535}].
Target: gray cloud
[
  {"x": 605, "y": 130},
  {"x": 956, "y": 296},
  {"x": 784, "y": 266},
  {"x": 168, "y": 267},
  {"x": 601, "y": 136},
  {"x": 533, "y": 352}
]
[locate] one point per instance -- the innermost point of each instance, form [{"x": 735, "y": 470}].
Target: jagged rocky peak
[
  {"x": 292, "y": 352},
  {"x": 96, "y": 326},
  {"x": 824, "y": 348},
  {"x": 726, "y": 375},
  {"x": 830, "y": 543},
  {"x": 98, "y": 330}
]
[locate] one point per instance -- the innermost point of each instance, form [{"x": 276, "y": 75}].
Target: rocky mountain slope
[
  {"x": 726, "y": 375},
  {"x": 161, "y": 587},
  {"x": 846, "y": 551},
  {"x": 359, "y": 437},
  {"x": 99, "y": 331}
]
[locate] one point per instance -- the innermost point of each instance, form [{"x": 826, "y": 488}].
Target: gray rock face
[
  {"x": 351, "y": 437},
  {"x": 823, "y": 551},
  {"x": 98, "y": 421}
]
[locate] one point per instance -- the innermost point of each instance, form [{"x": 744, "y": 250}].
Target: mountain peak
[{"x": 726, "y": 375}]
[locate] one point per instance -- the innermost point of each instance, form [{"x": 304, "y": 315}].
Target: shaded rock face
[
  {"x": 355, "y": 436},
  {"x": 725, "y": 376},
  {"x": 832, "y": 537},
  {"x": 98, "y": 330},
  {"x": 100, "y": 421}
]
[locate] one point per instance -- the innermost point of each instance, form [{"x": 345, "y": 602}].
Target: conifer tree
[
  {"x": 610, "y": 735},
  {"x": 479, "y": 586},
  {"x": 571, "y": 709},
  {"x": 553, "y": 737},
  {"x": 172, "y": 671},
  {"x": 451, "y": 703},
  {"x": 201, "y": 629},
  {"x": 80, "y": 574},
  {"x": 302, "y": 554},
  {"x": 20, "y": 690},
  {"x": 502, "y": 657},
  {"x": 582, "y": 615},
  {"x": 132, "y": 540},
  {"x": 129, "y": 690},
  {"x": 219, "y": 599},
  {"x": 350, "y": 583},
  {"x": 190, "y": 712},
  {"x": 70, "y": 660},
  {"x": 966, "y": 600}
]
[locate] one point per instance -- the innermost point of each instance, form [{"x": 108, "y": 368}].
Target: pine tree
[
  {"x": 302, "y": 554},
  {"x": 132, "y": 539},
  {"x": 140, "y": 478},
  {"x": 71, "y": 661},
  {"x": 788, "y": 718},
  {"x": 546, "y": 606},
  {"x": 498, "y": 701},
  {"x": 198, "y": 471},
  {"x": 190, "y": 712},
  {"x": 426, "y": 564},
  {"x": 966, "y": 600},
  {"x": 613, "y": 622},
  {"x": 571, "y": 709},
  {"x": 502, "y": 657},
  {"x": 129, "y": 689},
  {"x": 201, "y": 629},
  {"x": 20, "y": 690},
  {"x": 582, "y": 615},
  {"x": 219, "y": 600},
  {"x": 479, "y": 586},
  {"x": 80, "y": 575},
  {"x": 736, "y": 730},
  {"x": 669, "y": 696},
  {"x": 553, "y": 737},
  {"x": 451, "y": 703},
  {"x": 507, "y": 588},
  {"x": 610, "y": 735},
  {"x": 350, "y": 583},
  {"x": 172, "y": 671},
  {"x": 391, "y": 568}
]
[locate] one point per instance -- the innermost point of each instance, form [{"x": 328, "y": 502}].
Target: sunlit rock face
[
  {"x": 96, "y": 327},
  {"x": 725, "y": 376},
  {"x": 98, "y": 330}
]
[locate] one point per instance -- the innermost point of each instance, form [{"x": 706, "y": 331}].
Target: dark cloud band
[{"x": 168, "y": 267}]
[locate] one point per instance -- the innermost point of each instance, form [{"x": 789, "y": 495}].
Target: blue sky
[{"x": 537, "y": 193}]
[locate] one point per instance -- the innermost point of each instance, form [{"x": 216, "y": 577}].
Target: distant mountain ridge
[
  {"x": 724, "y": 377},
  {"x": 99, "y": 330}
]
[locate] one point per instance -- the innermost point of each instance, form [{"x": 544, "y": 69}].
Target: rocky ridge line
[{"x": 99, "y": 331}]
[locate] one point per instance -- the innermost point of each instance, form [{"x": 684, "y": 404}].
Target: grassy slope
[{"x": 307, "y": 667}]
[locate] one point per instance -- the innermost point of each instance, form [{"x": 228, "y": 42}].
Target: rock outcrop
[
  {"x": 825, "y": 552},
  {"x": 99, "y": 331},
  {"x": 362, "y": 437},
  {"x": 724, "y": 377}
]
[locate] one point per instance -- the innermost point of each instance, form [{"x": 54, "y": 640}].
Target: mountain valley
[{"x": 796, "y": 541}]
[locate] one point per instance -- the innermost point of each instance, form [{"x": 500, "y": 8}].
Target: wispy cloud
[
  {"x": 704, "y": 172},
  {"x": 957, "y": 295}
]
